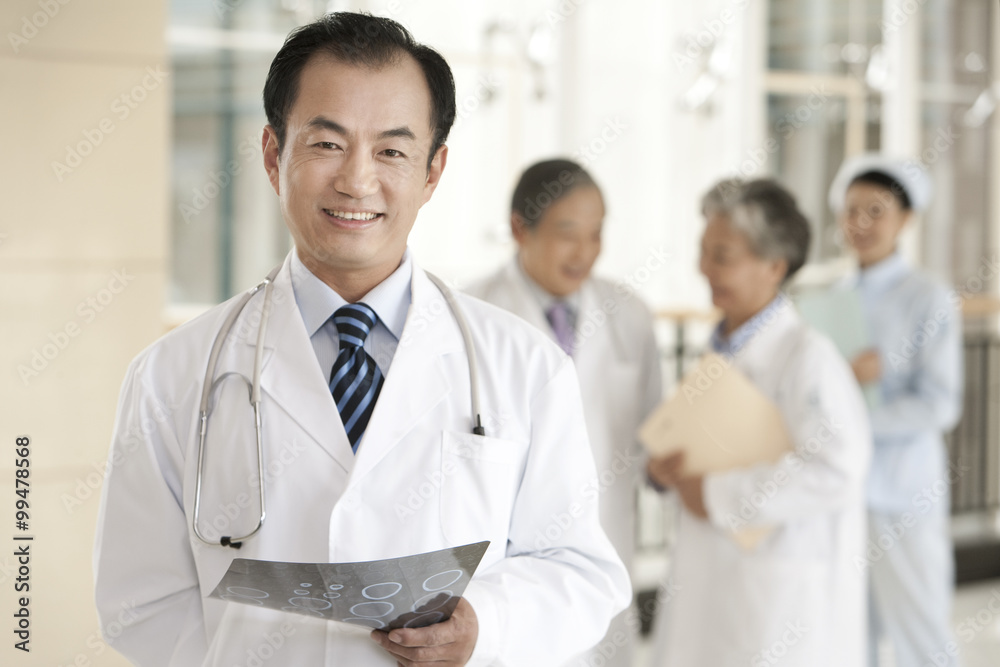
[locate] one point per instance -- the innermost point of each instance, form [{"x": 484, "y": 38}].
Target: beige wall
[{"x": 64, "y": 237}]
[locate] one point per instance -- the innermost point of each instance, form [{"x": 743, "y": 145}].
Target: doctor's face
[
  {"x": 742, "y": 282},
  {"x": 871, "y": 221},
  {"x": 353, "y": 172},
  {"x": 560, "y": 250}
]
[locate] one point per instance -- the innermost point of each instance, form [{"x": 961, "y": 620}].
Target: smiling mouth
[{"x": 352, "y": 216}]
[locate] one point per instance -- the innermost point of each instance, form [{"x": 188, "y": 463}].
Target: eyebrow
[
  {"x": 566, "y": 223},
  {"x": 325, "y": 123}
]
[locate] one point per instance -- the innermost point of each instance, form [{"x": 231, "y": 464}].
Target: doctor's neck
[
  {"x": 866, "y": 261},
  {"x": 352, "y": 282},
  {"x": 736, "y": 315},
  {"x": 733, "y": 321}
]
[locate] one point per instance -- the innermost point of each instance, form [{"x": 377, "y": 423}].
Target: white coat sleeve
[
  {"x": 146, "y": 585},
  {"x": 562, "y": 582},
  {"x": 931, "y": 399},
  {"x": 825, "y": 471},
  {"x": 651, "y": 386},
  {"x": 652, "y": 378}
]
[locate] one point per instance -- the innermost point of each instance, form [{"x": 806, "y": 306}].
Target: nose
[
  {"x": 857, "y": 226},
  {"x": 578, "y": 252},
  {"x": 356, "y": 176}
]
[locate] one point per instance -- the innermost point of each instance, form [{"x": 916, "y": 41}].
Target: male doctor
[{"x": 366, "y": 399}]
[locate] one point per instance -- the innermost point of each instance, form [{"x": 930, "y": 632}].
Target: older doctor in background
[
  {"x": 916, "y": 364},
  {"x": 557, "y": 214},
  {"x": 797, "y": 596},
  {"x": 358, "y": 115}
]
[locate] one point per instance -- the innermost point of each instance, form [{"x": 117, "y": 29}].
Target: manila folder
[{"x": 719, "y": 419}]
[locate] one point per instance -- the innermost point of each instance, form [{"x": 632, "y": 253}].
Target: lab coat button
[{"x": 350, "y": 501}]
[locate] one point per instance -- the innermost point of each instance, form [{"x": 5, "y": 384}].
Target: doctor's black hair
[
  {"x": 887, "y": 182},
  {"x": 543, "y": 184},
  {"x": 767, "y": 214},
  {"x": 361, "y": 40}
]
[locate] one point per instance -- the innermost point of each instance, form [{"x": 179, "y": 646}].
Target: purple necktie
[{"x": 558, "y": 316}]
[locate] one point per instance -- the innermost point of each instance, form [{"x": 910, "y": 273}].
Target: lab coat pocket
[{"x": 480, "y": 478}]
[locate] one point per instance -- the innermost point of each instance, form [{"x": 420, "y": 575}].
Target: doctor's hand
[
  {"x": 867, "y": 367},
  {"x": 444, "y": 644},
  {"x": 669, "y": 471}
]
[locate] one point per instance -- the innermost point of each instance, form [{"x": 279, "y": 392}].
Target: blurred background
[{"x": 134, "y": 198}]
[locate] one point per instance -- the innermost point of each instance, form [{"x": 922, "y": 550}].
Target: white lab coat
[
  {"x": 618, "y": 365},
  {"x": 548, "y": 585},
  {"x": 799, "y": 598}
]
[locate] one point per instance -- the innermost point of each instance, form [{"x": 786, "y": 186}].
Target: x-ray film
[{"x": 413, "y": 591}]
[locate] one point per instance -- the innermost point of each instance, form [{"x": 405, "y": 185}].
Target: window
[
  {"x": 227, "y": 231},
  {"x": 833, "y": 66}
]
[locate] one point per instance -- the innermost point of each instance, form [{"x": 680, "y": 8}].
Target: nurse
[
  {"x": 796, "y": 597},
  {"x": 557, "y": 214},
  {"x": 916, "y": 364}
]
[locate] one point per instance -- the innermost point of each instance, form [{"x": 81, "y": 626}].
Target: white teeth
[{"x": 346, "y": 215}]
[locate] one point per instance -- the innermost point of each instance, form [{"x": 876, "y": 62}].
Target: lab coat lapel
[
  {"x": 522, "y": 301},
  {"x": 595, "y": 335},
  {"x": 292, "y": 378},
  {"x": 764, "y": 356},
  {"x": 417, "y": 379}
]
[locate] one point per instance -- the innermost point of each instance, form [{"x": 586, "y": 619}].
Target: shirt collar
[
  {"x": 737, "y": 340},
  {"x": 544, "y": 298},
  {"x": 317, "y": 301},
  {"x": 885, "y": 273}
]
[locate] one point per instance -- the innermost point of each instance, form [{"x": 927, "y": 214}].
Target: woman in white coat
[
  {"x": 916, "y": 364},
  {"x": 798, "y": 596},
  {"x": 557, "y": 213}
]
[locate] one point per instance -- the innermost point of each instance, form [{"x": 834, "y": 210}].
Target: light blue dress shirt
[
  {"x": 317, "y": 302},
  {"x": 732, "y": 344},
  {"x": 916, "y": 327}
]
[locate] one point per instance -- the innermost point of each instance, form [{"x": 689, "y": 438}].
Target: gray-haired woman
[{"x": 798, "y": 595}]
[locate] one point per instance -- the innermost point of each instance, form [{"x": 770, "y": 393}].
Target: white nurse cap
[{"x": 909, "y": 173}]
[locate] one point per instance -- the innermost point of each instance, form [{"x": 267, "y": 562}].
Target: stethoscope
[{"x": 208, "y": 386}]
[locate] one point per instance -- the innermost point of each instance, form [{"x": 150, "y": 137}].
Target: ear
[
  {"x": 778, "y": 271},
  {"x": 434, "y": 172},
  {"x": 272, "y": 157},
  {"x": 518, "y": 229},
  {"x": 907, "y": 216}
]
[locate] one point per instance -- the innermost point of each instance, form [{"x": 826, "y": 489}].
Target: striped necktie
[{"x": 356, "y": 379}]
